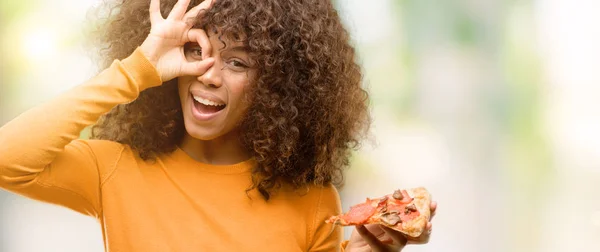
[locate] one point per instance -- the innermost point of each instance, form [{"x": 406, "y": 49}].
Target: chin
[{"x": 201, "y": 133}]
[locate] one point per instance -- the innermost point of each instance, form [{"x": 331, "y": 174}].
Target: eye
[
  {"x": 237, "y": 65},
  {"x": 196, "y": 52},
  {"x": 193, "y": 52}
]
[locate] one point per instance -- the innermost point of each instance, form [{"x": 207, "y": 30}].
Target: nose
[{"x": 212, "y": 77}]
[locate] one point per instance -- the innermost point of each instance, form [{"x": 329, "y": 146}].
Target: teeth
[{"x": 207, "y": 102}]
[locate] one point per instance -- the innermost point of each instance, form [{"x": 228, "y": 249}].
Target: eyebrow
[{"x": 239, "y": 48}]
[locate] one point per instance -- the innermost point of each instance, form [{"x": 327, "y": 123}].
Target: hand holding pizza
[
  {"x": 377, "y": 237},
  {"x": 390, "y": 222}
]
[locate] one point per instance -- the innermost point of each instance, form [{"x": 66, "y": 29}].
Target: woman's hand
[
  {"x": 164, "y": 44},
  {"x": 379, "y": 238}
]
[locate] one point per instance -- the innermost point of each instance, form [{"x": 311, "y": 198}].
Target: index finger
[{"x": 199, "y": 36}]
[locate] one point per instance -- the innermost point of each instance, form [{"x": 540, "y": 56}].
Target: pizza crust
[{"x": 422, "y": 200}]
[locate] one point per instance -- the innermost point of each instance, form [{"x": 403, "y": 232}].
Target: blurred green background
[{"x": 492, "y": 105}]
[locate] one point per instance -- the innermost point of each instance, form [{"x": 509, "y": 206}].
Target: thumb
[{"x": 197, "y": 68}]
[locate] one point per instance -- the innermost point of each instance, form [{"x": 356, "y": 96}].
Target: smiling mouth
[{"x": 205, "y": 106}]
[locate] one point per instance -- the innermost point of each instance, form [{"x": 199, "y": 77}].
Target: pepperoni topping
[
  {"x": 360, "y": 213},
  {"x": 405, "y": 209},
  {"x": 391, "y": 209},
  {"x": 411, "y": 215}
]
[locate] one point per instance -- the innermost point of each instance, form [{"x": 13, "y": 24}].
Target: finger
[
  {"x": 193, "y": 12},
  {"x": 196, "y": 68},
  {"x": 155, "y": 11},
  {"x": 432, "y": 207},
  {"x": 179, "y": 10},
  {"x": 373, "y": 242},
  {"x": 199, "y": 36},
  {"x": 398, "y": 237}
]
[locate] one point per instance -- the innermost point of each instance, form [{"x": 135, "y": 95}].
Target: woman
[{"x": 224, "y": 127}]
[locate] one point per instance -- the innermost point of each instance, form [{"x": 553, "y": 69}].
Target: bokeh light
[{"x": 39, "y": 45}]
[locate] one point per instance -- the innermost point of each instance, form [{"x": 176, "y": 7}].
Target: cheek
[
  {"x": 238, "y": 87},
  {"x": 183, "y": 85}
]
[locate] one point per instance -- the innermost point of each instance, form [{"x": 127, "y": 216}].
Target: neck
[{"x": 224, "y": 150}]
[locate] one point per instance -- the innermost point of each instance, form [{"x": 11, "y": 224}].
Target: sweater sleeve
[
  {"x": 39, "y": 155},
  {"x": 327, "y": 237}
]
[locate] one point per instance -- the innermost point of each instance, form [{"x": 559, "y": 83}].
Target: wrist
[{"x": 148, "y": 50}]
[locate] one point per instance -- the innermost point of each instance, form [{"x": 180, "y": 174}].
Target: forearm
[{"x": 31, "y": 141}]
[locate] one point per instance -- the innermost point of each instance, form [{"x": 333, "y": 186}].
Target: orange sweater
[{"x": 173, "y": 204}]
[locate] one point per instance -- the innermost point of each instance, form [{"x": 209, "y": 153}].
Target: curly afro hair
[{"x": 308, "y": 110}]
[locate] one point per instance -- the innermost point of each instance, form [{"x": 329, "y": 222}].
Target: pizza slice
[{"x": 406, "y": 211}]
